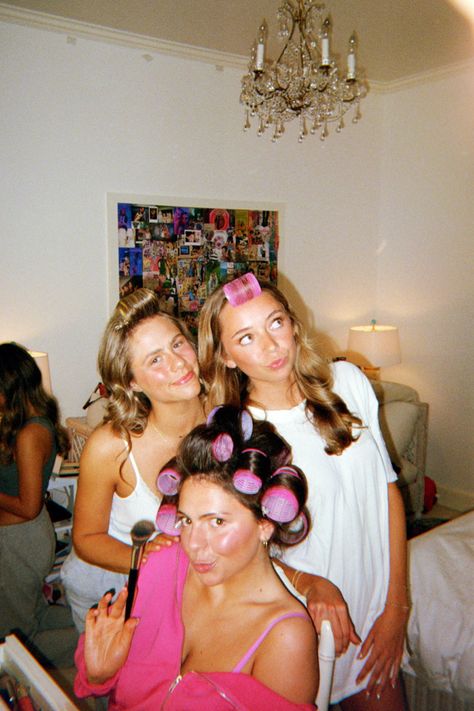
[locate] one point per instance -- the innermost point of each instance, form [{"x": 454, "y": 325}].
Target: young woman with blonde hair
[
  {"x": 148, "y": 365},
  {"x": 253, "y": 351}
]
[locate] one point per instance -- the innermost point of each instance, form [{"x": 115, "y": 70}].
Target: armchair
[{"x": 404, "y": 424}]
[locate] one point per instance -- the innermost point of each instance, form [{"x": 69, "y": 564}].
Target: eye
[
  {"x": 217, "y": 522},
  {"x": 182, "y": 522},
  {"x": 277, "y": 323},
  {"x": 245, "y": 340},
  {"x": 156, "y": 360},
  {"x": 178, "y": 343}
]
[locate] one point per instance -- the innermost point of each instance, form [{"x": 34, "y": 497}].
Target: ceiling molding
[{"x": 76, "y": 28}]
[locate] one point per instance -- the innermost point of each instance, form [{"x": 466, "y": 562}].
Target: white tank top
[{"x": 142, "y": 503}]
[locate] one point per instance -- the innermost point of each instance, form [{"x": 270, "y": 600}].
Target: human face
[
  {"x": 257, "y": 337},
  {"x": 163, "y": 362},
  {"x": 221, "y": 537}
]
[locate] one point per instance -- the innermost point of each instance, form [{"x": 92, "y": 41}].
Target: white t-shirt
[{"x": 347, "y": 497}]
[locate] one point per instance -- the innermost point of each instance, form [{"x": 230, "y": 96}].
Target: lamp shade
[
  {"x": 379, "y": 345},
  {"x": 42, "y": 362}
]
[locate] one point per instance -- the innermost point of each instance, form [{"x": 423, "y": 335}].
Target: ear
[
  {"x": 136, "y": 388},
  {"x": 228, "y": 362},
  {"x": 266, "y": 529}
]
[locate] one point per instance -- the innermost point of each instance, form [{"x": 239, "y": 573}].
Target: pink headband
[{"x": 242, "y": 289}]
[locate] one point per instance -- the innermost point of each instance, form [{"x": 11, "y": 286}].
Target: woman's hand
[
  {"x": 107, "y": 638},
  {"x": 325, "y": 602},
  {"x": 159, "y": 542},
  {"x": 383, "y": 648}
]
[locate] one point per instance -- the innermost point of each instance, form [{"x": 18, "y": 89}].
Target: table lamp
[
  {"x": 42, "y": 362},
  {"x": 374, "y": 347}
]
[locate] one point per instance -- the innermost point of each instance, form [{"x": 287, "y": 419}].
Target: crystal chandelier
[{"x": 304, "y": 81}]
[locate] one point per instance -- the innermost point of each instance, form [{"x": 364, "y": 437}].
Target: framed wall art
[{"x": 182, "y": 249}]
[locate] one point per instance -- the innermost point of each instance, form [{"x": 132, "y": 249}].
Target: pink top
[{"x": 150, "y": 679}]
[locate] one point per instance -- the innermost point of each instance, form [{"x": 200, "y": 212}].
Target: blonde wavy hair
[
  {"x": 127, "y": 409},
  {"x": 327, "y": 411}
]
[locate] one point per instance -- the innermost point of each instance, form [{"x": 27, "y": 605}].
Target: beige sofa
[{"x": 404, "y": 424}]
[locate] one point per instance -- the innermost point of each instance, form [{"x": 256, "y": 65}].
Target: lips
[
  {"x": 279, "y": 363},
  {"x": 186, "y": 378},
  {"x": 203, "y": 568}
]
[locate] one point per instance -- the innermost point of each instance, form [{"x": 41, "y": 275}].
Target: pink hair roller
[
  {"x": 242, "y": 289},
  {"x": 280, "y": 504},
  {"x": 246, "y": 481},
  {"x": 286, "y": 470},
  {"x": 222, "y": 447},
  {"x": 166, "y": 520},
  {"x": 167, "y": 482}
]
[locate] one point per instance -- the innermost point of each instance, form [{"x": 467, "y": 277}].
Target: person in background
[
  {"x": 148, "y": 365},
  {"x": 30, "y": 438},
  {"x": 212, "y": 626},
  {"x": 253, "y": 352}
]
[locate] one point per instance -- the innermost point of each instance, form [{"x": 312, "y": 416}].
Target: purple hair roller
[
  {"x": 166, "y": 520},
  {"x": 242, "y": 289},
  {"x": 246, "y": 481},
  {"x": 222, "y": 447},
  {"x": 167, "y": 482},
  {"x": 210, "y": 416},
  {"x": 280, "y": 504},
  {"x": 246, "y": 424}
]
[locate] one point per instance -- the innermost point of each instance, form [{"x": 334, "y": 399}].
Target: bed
[{"x": 439, "y": 663}]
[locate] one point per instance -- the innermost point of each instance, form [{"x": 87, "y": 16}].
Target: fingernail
[
  {"x": 111, "y": 592},
  {"x": 94, "y": 607}
]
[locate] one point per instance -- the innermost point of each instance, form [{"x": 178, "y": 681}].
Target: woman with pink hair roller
[
  {"x": 253, "y": 352},
  {"x": 212, "y": 626}
]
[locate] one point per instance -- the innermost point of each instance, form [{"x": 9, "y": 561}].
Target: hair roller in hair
[
  {"x": 210, "y": 416},
  {"x": 242, "y": 289},
  {"x": 280, "y": 504},
  {"x": 222, "y": 447},
  {"x": 167, "y": 482},
  {"x": 286, "y": 470},
  {"x": 246, "y": 423},
  {"x": 166, "y": 520},
  {"x": 299, "y": 527},
  {"x": 246, "y": 481}
]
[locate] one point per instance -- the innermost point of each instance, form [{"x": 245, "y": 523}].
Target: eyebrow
[
  {"x": 213, "y": 514},
  {"x": 156, "y": 351}
]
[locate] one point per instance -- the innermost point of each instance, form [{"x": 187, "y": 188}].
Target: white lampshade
[
  {"x": 378, "y": 345},
  {"x": 42, "y": 362}
]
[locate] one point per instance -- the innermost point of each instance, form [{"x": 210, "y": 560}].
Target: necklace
[{"x": 172, "y": 440}]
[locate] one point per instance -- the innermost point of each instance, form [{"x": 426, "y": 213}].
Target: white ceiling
[{"x": 397, "y": 38}]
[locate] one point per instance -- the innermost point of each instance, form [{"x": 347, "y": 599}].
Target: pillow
[{"x": 397, "y": 422}]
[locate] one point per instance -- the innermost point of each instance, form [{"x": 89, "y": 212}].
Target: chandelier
[{"x": 304, "y": 81}]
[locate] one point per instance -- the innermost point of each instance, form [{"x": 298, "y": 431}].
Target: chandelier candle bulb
[{"x": 305, "y": 81}]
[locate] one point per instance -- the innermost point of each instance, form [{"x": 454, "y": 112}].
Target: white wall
[
  {"x": 426, "y": 258},
  {"x": 81, "y": 120}
]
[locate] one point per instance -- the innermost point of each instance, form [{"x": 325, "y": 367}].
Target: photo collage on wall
[{"x": 184, "y": 253}]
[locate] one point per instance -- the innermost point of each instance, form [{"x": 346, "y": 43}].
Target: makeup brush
[{"x": 140, "y": 533}]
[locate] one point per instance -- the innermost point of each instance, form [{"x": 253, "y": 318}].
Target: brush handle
[{"x": 131, "y": 587}]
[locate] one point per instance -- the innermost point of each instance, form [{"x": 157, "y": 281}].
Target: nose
[
  {"x": 176, "y": 361},
  {"x": 268, "y": 342},
  {"x": 195, "y": 538}
]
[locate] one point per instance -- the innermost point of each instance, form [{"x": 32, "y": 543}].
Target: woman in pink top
[{"x": 213, "y": 627}]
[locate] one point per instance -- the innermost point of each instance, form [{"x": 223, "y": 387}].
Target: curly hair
[
  {"x": 327, "y": 411},
  {"x": 128, "y": 410},
  {"x": 22, "y": 390},
  {"x": 262, "y": 454}
]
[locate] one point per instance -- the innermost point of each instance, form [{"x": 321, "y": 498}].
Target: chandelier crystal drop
[{"x": 304, "y": 81}]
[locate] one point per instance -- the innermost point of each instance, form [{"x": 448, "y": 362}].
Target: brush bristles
[{"x": 141, "y": 532}]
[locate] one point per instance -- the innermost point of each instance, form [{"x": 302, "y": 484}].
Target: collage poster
[{"x": 183, "y": 253}]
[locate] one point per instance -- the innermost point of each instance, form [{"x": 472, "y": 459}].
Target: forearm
[
  {"x": 103, "y": 550},
  {"x": 397, "y": 593},
  {"x": 17, "y": 506}
]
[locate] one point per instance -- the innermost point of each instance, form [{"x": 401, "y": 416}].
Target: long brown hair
[
  {"x": 327, "y": 410},
  {"x": 22, "y": 390},
  {"x": 127, "y": 409}
]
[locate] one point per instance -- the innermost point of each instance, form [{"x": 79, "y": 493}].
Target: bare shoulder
[
  {"x": 105, "y": 442},
  {"x": 287, "y": 661}
]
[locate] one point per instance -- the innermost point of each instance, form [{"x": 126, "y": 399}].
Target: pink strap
[{"x": 240, "y": 665}]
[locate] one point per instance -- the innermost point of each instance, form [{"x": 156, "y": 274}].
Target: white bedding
[{"x": 441, "y": 624}]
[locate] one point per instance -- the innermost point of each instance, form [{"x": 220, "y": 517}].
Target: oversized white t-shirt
[{"x": 347, "y": 497}]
